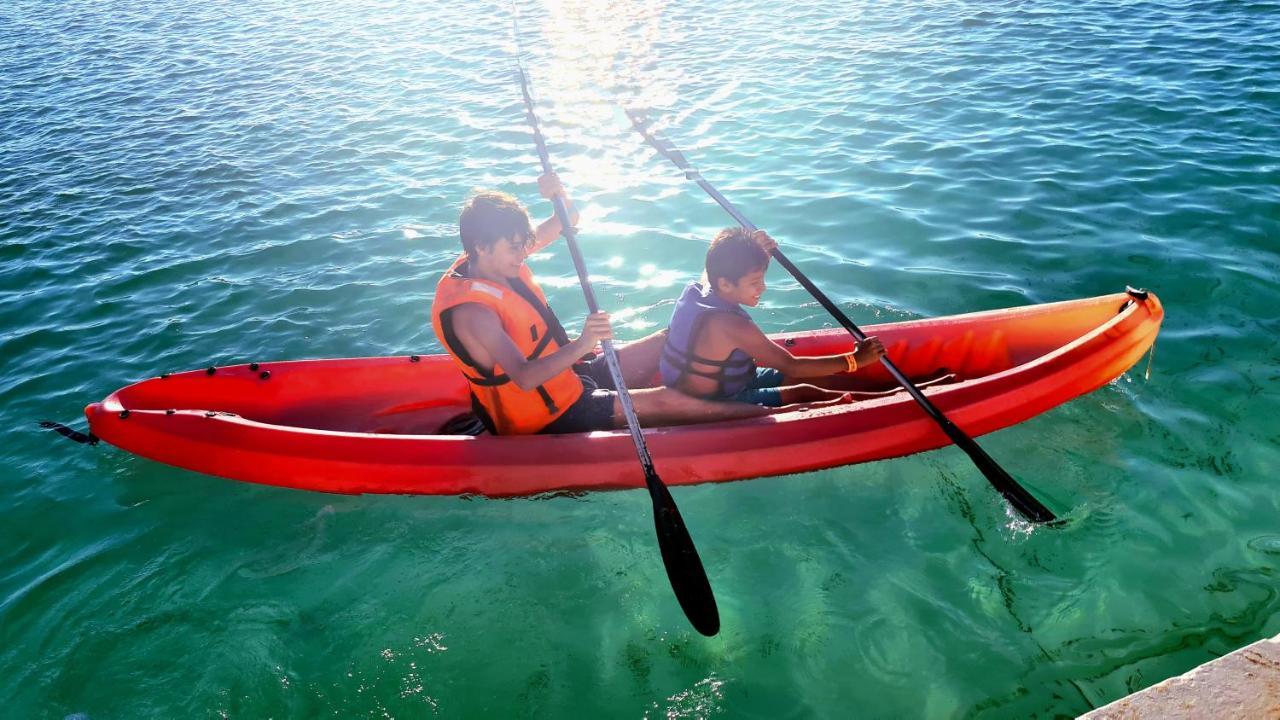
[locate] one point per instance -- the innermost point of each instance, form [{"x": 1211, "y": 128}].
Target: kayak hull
[{"x": 366, "y": 425}]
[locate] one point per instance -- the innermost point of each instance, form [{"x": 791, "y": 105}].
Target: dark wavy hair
[
  {"x": 490, "y": 216},
  {"x": 734, "y": 253}
]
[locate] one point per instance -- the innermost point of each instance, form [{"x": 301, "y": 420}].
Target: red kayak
[{"x": 370, "y": 425}]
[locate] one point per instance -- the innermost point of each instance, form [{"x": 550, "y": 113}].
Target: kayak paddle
[
  {"x": 684, "y": 567},
  {"x": 1022, "y": 500}
]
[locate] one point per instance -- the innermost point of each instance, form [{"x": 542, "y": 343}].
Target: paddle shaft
[
  {"x": 571, "y": 239},
  {"x": 679, "y": 555},
  {"x": 1017, "y": 496},
  {"x": 826, "y": 302}
]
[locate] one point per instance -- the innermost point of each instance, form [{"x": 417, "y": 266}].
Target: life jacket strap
[
  {"x": 685, "y": 359},
  {"x": 486, "y": 419},
  {"x": 554, "y": 328}
]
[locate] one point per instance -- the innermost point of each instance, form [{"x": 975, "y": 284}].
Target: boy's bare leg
[
  {"x": 665, "y": 406},
  {"x": 849, "y": 383},
  {"x": 639, "y": 360},
  {"x": 806, "y": 393},
  {"x": 839, "y": 399},
  {"x": 812, "y": 393}
]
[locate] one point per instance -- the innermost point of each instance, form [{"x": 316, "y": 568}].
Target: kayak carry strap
[{"x": 70, "y": 434}]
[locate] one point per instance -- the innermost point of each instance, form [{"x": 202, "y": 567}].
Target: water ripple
[{"x": 188, "y": 184}]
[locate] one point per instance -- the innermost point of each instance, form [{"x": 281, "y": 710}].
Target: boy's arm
[
  {"x": 479, "y": 328},
  {"x": 748, "y": 336},
  {"x": 549, "y": 187}
]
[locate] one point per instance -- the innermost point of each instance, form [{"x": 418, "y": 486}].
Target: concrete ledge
[{"x": 1242, "y": 684}]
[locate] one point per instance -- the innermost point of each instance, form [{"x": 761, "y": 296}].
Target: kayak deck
[{"x": 368, "y": 424}]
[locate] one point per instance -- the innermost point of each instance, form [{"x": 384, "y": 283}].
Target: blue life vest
[{"x": 695, "y": 305}]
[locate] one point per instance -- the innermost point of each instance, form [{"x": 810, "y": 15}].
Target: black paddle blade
[
  {"x": 684, "y": 567},
  {"x": 637, "y": 118},
  {"x": 1021, "y": 500},
  {"x": 66, "y": 432}
]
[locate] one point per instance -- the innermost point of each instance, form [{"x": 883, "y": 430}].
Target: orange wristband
[{"x": 852, "y": 362}]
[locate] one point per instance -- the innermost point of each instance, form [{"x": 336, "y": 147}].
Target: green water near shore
[{"x": 194, "y": 185}]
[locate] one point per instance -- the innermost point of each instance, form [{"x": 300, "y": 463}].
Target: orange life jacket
[{"x": 502, "y": 406}]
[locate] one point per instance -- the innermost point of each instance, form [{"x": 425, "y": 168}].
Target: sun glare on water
[{"x": 585, "y": 58}]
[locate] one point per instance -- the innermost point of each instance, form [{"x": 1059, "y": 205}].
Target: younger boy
[{"x": 715, "y": 351}]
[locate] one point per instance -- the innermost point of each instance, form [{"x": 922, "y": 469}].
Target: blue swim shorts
[{"x": 763, "y": 389}]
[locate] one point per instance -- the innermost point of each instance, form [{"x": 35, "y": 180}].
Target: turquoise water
[{"x": 189, "y": 184}]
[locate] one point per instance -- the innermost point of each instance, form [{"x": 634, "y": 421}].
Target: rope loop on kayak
[
  {"x": 1136, "y": 295},
  {"x": 70, "y": 434}
]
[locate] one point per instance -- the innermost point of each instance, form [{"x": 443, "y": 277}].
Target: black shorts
[
  {"x": 598, "y": 370},
  {"x": 593, "y": 410}
]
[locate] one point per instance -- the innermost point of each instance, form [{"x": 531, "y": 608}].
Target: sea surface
[{"x": 185, "y": 184}]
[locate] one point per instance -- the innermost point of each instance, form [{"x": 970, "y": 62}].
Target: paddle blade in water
[
  {"x": 1021, "y": 500},
  {"x": 1018, "y": 496},
  {"x": 684, "y": 567}
]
